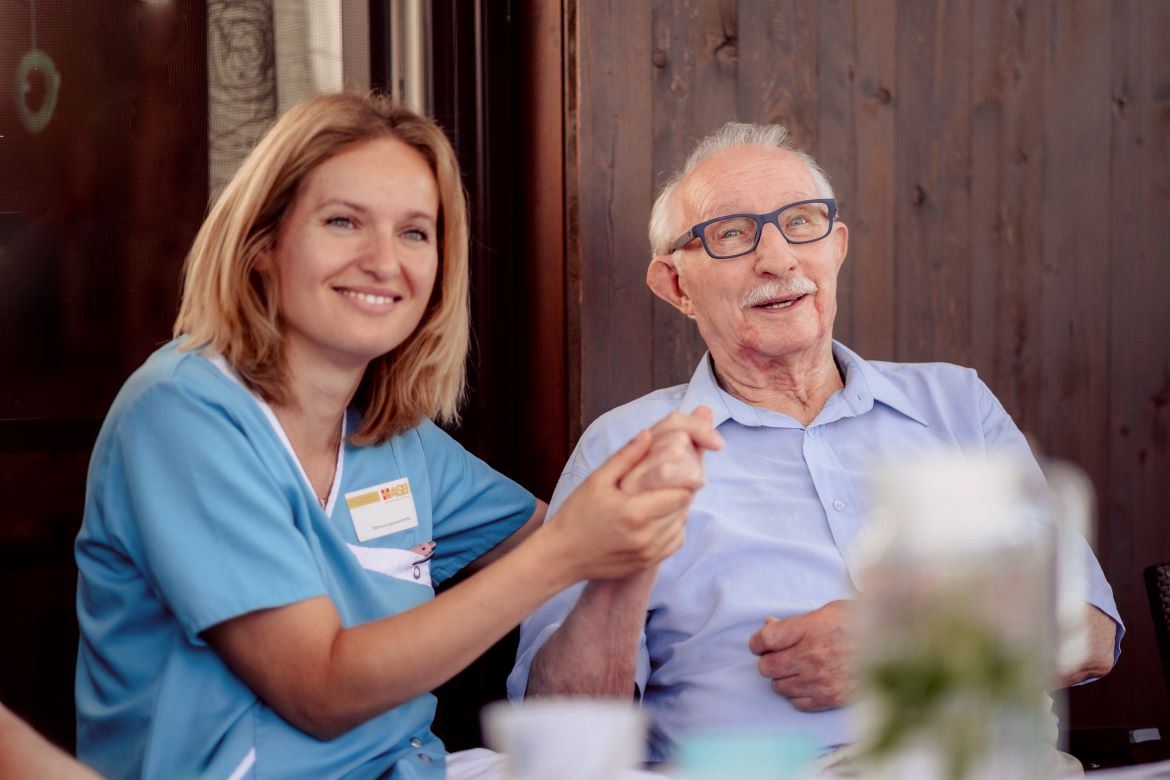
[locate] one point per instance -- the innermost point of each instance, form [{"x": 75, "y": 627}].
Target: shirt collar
[{"x": 864, "y": 385}]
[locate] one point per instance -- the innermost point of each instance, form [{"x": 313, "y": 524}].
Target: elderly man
[{"x": 744, "y": 626}]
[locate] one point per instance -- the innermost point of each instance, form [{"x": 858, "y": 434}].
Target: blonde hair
[{"x": 230, "y": 306}]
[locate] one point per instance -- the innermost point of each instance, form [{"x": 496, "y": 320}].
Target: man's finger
[
  {"x": 624, "y": 459},
  {"x": 699, "y": 429},
  {"x": 776, "y": 636}
]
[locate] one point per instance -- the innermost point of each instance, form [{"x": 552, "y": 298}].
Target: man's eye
[
  {"x": 798, "y": 220},
  {"x": 730, "y": 233},
  {"x": 344, "y": 222}
]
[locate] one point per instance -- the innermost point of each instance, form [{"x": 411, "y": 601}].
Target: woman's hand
[{"x": 631, "y": 512}]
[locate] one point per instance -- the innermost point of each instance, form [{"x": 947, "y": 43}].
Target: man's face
[{"x": 778, "y": 301}]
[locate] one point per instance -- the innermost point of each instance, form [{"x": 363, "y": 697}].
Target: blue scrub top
[{"x": 197, "y": 512}]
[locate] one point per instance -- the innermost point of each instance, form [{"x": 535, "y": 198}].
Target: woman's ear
[{"x": 264, "y": 262}]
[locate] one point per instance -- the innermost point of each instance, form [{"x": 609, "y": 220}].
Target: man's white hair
[{"x": 664, "y": 213}]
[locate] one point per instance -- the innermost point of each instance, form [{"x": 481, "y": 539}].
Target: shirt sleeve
[
  {"x": 216, "y": 534},
  {"x": 474, "y": 506},
  {"x": 1001, "y": 435}
]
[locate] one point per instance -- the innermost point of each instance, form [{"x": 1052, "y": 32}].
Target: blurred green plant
[{"x": 948, "y": 680}]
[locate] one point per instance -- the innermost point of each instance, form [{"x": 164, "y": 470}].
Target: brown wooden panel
[
  {"x": 1009, "y": 41},
  {"x": 544, "y": 401},
  {"x": 101, "y": 205},
  {"x": 614, "y": 185},
  {"x": 1135, "y": 511},
  {"x": 696, "y": 65},
  {"x": 1075, "y": 254},
  {"x": 778, "y": 54},
  {"x": 933, "y": 172},
  {"x": 857, "y": 147}
]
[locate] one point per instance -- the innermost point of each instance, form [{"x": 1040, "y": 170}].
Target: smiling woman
[{"x": 270, "y": 502}]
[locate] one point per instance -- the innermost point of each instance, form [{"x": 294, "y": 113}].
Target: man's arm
[
  {"x": 595, "y": 650},
  {"x": 1102, "y": 649}
]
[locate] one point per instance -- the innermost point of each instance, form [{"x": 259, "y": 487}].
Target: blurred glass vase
[{"x": 960, "y": 625}]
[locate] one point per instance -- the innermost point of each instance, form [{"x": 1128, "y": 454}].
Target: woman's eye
[
  {"x": 344, "y": 222},
  {"x": 418, "y": 234}
]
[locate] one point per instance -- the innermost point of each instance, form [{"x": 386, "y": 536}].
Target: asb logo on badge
[{"x": 394, "y": 491}]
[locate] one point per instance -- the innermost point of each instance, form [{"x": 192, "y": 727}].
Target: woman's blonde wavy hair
[{"x": 230, "y": 306}]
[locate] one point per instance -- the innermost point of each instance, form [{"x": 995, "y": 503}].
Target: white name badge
[{"x": 382, "y": 509}]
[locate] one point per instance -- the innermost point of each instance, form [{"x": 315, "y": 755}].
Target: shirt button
[
  {"x": 839, "y": 505},
  {"x": 415, "y": 743}
]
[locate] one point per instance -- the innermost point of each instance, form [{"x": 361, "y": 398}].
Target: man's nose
[{"x": 773, "y": 253}]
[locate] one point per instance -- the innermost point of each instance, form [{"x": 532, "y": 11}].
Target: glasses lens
[
  {"x": 731, "y": 236},
  {"x": 806, "y": 222}
]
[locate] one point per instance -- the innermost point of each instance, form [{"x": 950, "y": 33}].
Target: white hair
[{"x": 663, "y": 215}]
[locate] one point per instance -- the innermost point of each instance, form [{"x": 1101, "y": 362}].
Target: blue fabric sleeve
[
  {"x": 1001, "y": 435},
  {"x": 218, "y": 536},
  {"x": 474, "y": 506}
]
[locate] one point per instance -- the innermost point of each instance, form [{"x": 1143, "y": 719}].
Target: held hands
[
  {"x": 631, "y": 512},
  {"x": 676, "y": 453},
  {"x": 807, "y": 656}
]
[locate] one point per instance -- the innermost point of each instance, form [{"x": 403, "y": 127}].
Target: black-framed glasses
[{"x": 733, "y": 235}]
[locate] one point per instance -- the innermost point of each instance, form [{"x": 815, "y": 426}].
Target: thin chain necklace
[{"x": 324, "y": 500}]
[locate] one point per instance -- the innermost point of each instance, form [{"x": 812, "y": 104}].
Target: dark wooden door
[{"x": 97, "y": 209}]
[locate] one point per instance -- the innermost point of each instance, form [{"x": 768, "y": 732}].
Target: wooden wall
[{"x": 1003, "y": 166}]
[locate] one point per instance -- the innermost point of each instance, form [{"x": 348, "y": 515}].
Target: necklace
[
  {"x": 329, "y": 488},
  {"x": 324, "y": 500}
]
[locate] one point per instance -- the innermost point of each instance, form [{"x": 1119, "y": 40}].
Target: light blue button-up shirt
[{"x": 770, "y": 533}]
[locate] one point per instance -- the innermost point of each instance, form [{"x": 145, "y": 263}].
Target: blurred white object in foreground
[{"x": 960, "y": 623}]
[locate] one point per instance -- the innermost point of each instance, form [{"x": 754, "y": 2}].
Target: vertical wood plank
[
  {"x": 544, "y": 402},
  {"x": 696, "y": 61},
  {"x": 1007, "y": 137},
  {"x": 1134, "y": 511},
  {"x": 778, "y": 81},
  {"x": 933, "y": 172},
  {"x": 857, "y": 148},
  {"x": 613, "y": 189},
  {"x": 1076, "y": 237}
]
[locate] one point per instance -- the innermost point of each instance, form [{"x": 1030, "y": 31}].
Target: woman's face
[{"x": 357, "y": 254}]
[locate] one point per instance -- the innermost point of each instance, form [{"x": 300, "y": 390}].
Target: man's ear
[
  {"x": 840, "y": 239},
  {"x": 663, "y": 278}
]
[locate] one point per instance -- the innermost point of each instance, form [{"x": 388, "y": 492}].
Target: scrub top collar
[{"x": 227, "y": 369}]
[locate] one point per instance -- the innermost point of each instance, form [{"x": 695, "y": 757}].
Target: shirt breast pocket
[{"x": 412, "y": 565}]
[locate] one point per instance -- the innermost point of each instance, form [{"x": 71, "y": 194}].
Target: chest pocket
[{"x": 407, "y": 565}]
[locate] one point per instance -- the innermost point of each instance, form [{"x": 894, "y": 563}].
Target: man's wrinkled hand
[
  {"x": 808, "y": 657},
  {"x": 676, "y": 453}
]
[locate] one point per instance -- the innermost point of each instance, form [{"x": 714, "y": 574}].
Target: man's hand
[
  {"x": 676, "y": 453},
  {"x": 807, "y": 656}
]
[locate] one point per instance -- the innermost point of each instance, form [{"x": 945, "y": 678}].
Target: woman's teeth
[{"x": 368, "y": 297}]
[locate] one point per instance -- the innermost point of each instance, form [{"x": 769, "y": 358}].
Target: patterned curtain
[{"x": 264, "y": 56}]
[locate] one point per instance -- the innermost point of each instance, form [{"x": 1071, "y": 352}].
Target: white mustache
[{"x": 778, "y": 288}]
